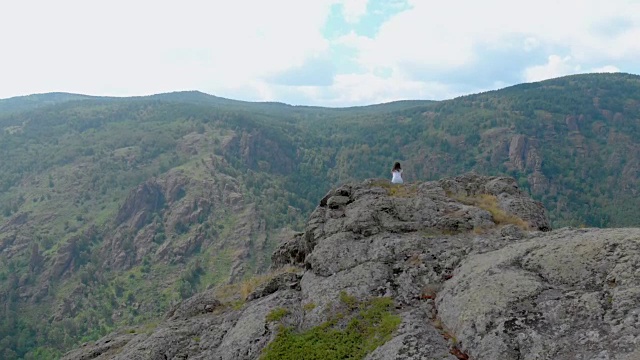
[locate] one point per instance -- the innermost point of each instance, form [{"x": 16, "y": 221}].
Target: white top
[{"x": 397, "y": 177}]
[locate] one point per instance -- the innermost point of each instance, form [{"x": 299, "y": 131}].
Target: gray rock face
[
  {"x": 572, "y": 294},
  {"x": 280, "y": 282},
  {"x": 223, "y": 334},
  {"x": 415, "y": 339},
  {"x": 471, "y": 266},
  {"x": 201, "y": 303},
  {"x": 291, "y": 251}
]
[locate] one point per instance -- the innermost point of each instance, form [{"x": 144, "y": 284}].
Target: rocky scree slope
[{"x": 472, "y": 267}]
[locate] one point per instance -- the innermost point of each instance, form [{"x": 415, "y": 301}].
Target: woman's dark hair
[{"x": 396, "y": 166}]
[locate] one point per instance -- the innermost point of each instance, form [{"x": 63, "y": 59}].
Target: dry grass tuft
[
  {"x": 490, "y": 203},
  {"x": 240, "y": 291},
  {"x": 397, "y": 190},
  {"x": 401, "y": 190}
]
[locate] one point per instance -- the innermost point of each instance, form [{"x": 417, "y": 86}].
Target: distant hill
[
  {"x": 30, "y": 102},
  {"x": 110, "y": 203}
]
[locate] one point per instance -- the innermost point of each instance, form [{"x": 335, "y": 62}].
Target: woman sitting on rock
[{"x": 396, "y": 173}]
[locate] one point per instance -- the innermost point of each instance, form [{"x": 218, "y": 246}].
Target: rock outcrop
[
  {"x": 525, "y": 156},
  {"x": 472, "y": 267},
  {"x": 164, "y": 218}
]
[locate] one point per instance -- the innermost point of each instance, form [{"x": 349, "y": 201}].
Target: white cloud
[
  {"x": 556, "y": 66},
  {"x": 353, "y": 10},
  {"x": 439, "y": 37},
  {"x": 449, "y": 34},
  {"x": 126, "y": 48},
  {"x": 605, "y": 69},
  {"x": 368, "y": 88},
  {"x": 409, "y": 38}
]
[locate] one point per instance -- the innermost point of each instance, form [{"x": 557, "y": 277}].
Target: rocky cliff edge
[{"x": 470, "y": 265}]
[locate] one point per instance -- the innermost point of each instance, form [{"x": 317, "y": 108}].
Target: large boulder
[{"x": 572, "y": 294}]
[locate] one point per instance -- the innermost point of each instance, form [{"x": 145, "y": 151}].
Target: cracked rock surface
[{"x": 466, "y": 283}]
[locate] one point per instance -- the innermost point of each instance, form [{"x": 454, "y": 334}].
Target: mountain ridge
[
  {"x": 34, "y": 101},
  {"x": 49, "y": 98}
]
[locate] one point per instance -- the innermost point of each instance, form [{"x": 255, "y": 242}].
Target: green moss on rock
[{"x": 371, "y": 327}]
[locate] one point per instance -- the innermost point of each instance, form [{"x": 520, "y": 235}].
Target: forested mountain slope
[{"x": 111, "y": 209}]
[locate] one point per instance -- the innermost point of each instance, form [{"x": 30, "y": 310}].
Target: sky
[{"x": 332, "y": 53}]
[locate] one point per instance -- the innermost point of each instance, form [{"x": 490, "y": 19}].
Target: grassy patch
[
  {"x": 349, "y": 300},
  {"x": 218, "y": 265},
  {"x": 277, "y": 314},
  {"x": 149, "y": 327},
  {"x": 490, "y": 203},
  {"x": 372, "y": 326},
  {"x": 310, "y": 306},
  {"x": 237, "y": 305}
]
